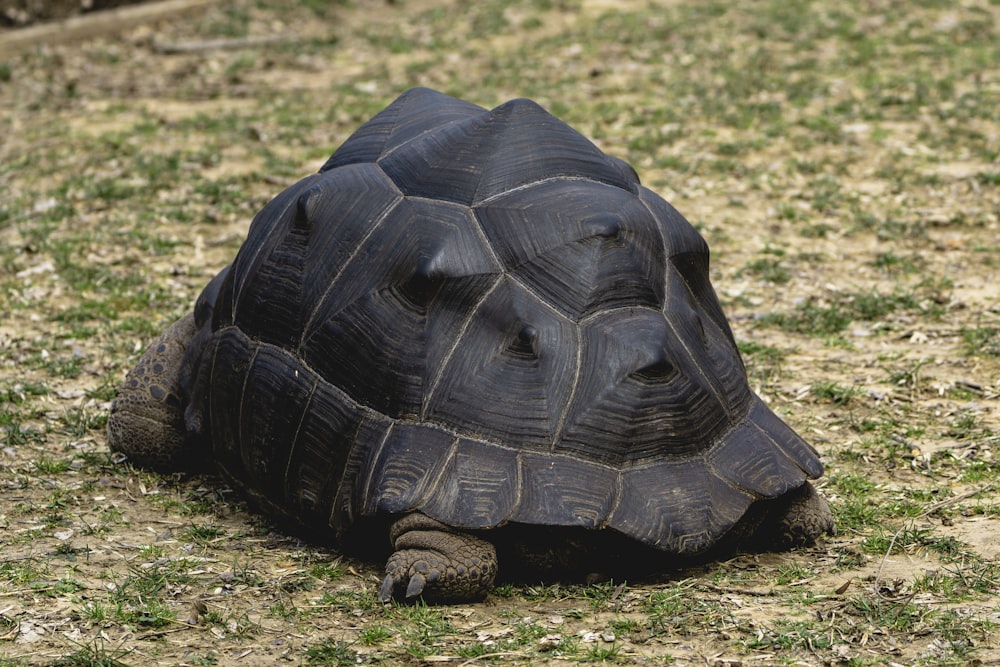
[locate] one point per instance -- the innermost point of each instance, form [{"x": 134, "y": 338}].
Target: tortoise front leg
[
  {"x": 146, "y": 422},
  {"x": 802, "y": 518},
  {"x": 798, "y": 518},
  {"x": 437, "y": 562}
]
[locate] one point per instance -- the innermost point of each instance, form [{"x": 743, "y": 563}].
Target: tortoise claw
[
  {"x": 416, "y": 585},
  {"x": 436, "y": 564},
  {"x": 385, "y": 592}
]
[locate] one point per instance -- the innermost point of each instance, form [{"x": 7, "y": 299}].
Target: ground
[
  {"x": 841, "y": 158},
  {"x": 28, "y": 12}
]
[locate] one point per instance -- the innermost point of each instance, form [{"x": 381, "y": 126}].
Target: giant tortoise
[{"x": 470, "y": 333}]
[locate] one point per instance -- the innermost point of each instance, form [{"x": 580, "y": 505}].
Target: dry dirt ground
[{"x": 841, "y": 159}]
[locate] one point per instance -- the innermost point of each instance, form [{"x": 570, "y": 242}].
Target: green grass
[
  {"x": 983, "y": 341},
  {"x": 374, "y": 635},
  {"x": 833, "y": 315},
  {"x": 769, "y": 270},
  {"x": 834, "y": 393},
  {"x": 203, "y": 533},
  {"x": 331, "y": 652}
]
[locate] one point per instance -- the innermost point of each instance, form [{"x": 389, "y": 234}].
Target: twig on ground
[{"x": 168, "y": 48}]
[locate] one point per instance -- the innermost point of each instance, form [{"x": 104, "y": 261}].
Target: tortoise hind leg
[
  {"x": 146, "y": 422},
  {"x": 437, "y": 562}
]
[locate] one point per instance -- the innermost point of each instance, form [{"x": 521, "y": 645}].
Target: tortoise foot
[
  {"x": 435, "y": 562},
  {"x": 803, "y": 519}
]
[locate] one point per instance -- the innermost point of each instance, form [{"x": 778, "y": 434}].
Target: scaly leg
[
  {"x": 437, "y": 562},
  {"x": 147, "y": 416}
]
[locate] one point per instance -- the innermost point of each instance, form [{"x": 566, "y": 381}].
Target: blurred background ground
[{"x": 18, "y": 13}]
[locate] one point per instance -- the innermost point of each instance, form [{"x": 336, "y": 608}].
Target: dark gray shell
[{"x": 479, "y": 315}]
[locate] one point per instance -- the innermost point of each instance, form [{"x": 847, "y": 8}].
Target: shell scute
[
  {"x": 399, "y": 300},
  {"x": 547, "y": 499},
  {"x": 622, "y": 413},
  {"x": 297, "y": 246},
  {"x": 496, "y": 386},
  {"x": 769, "y": 474},
  {"x": 582, "y": 246},
  {"x": 405, "y": 467},
  {"x": 415, "y": 112},
  {"x": 678, "y": 506},
  {"x": 481, "y": 488},
  {"x": 711, "y": 349}
]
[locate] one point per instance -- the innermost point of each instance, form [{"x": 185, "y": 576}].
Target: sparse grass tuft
[
  {"x": 94, "y": 654},
  {"x": 982, "y": 341},
  {"x": 828, "y": 317},
  {"x": 331, "y": 652},
  {"x": 203, "y": 533},
  {"x": 833, "y": 392}
]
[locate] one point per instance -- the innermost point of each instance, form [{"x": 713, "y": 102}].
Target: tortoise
[{"x": 474, "y": 331}]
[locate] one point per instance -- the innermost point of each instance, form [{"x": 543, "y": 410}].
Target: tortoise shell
[{"x": 480, "y": 316}]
